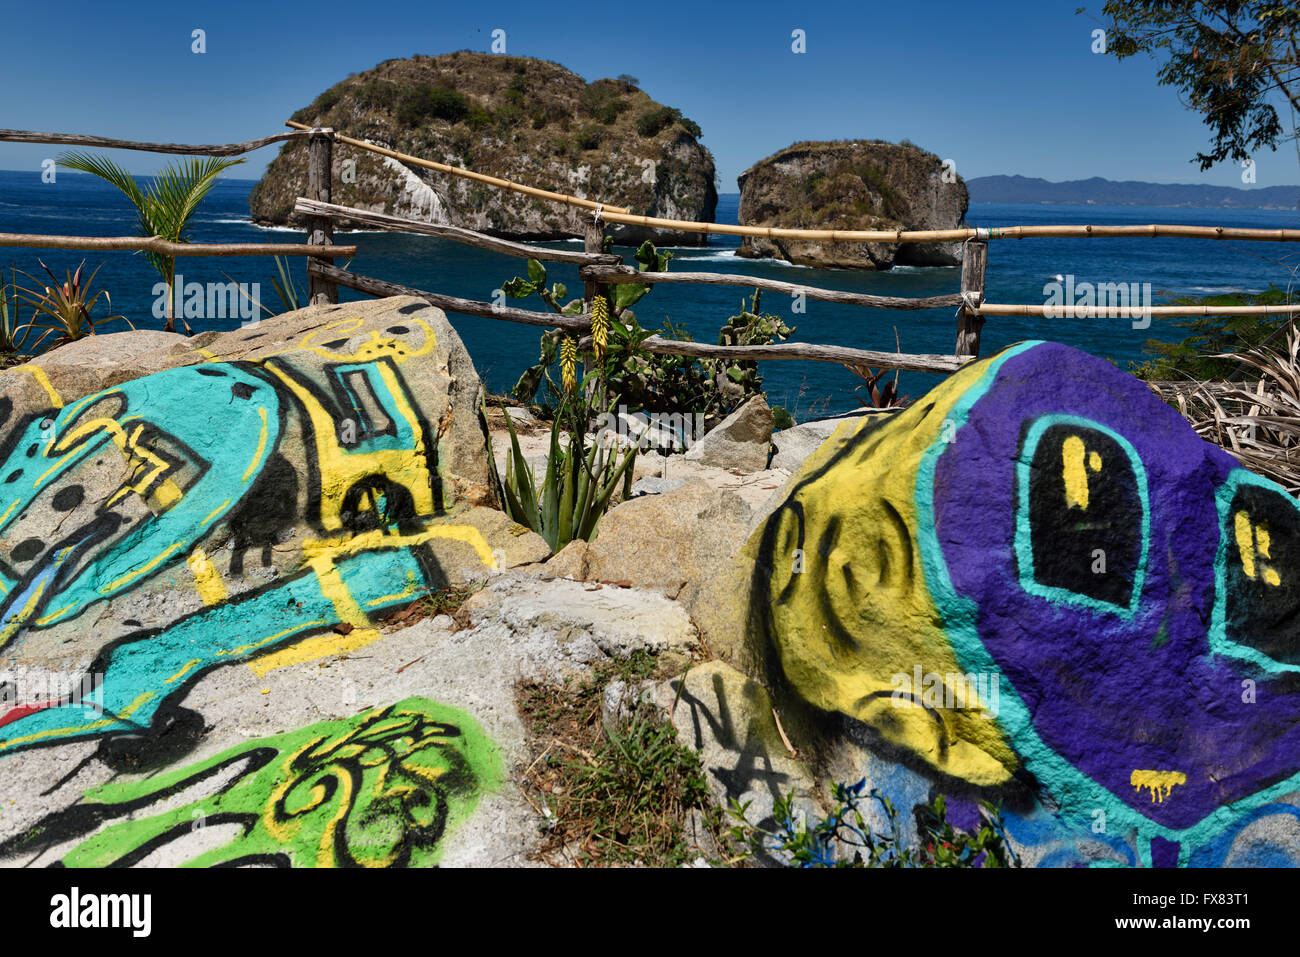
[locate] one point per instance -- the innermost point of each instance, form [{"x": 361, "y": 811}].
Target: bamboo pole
[
  {"x": 156, "y": 244},
  {"x": 459, "y": 234},
  {"x": 626, "y": 274},
  {"x": 958, "y": 235},
  {"x": 468, "y": 174},
  {"x": 1066, "y": 311},
  {"x": 76, "y": 139}
]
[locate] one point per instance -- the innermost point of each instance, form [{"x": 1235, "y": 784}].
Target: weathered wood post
[
  {"x": 593, "y": 242},
  {"x": 974, "y": 264},
  {"x": 320, "y": 229}
]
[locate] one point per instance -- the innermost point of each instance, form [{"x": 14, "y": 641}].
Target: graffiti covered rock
[
  {"x": 1038, "y": 582},
  {"x": 261, "y": 498}
]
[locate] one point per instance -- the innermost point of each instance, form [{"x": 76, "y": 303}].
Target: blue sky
[{"x": 999, "y": 87}]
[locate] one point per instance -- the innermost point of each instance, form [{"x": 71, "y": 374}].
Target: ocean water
[{"x": 1018, "y": 270}]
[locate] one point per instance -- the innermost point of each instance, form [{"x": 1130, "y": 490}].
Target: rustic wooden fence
[{"x": 599, "y": 269}]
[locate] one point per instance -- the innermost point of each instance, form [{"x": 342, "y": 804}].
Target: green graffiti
[{"x": 381, "y": 789}]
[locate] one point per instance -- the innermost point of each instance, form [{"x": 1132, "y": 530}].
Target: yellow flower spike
[
  {"x": 600, "y": 326},
  {"x": 569, "y": 365}
]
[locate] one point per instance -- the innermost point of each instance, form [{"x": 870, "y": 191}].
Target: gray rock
[
  {"x": 617, "y": 621},
  {"x": 741, "y": 442},
  {"x": 895, "y": 186},
  {"x": 728, "y": 718},
  {"x": 795, "y": 444},
  {"x": 652, "y": 485}
]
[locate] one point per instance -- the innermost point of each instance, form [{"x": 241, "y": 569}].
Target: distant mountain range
[{"x": 1105, "y": 192}]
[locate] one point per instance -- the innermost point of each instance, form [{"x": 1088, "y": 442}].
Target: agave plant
[
  {"x": 578, "y": 485},
  {"x": 66, "y": 307},
  {"x": 164, "y": 207}
]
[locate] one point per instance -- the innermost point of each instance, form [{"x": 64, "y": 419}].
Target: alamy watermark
[
  {"x": 954, "y": 691},
  {"x": 660, "y": 430},
  {"x": 213, "y": 300},
  {"x": 1066, "y": 299},
  {"x": 36, "y": 687}
]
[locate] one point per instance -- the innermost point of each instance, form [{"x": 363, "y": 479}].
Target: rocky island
[
  {"x": 853, "y": 184},
  {"x": 526, "y": 120}
]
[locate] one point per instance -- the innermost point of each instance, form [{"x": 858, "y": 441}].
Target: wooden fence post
[
  {"x": 593, "y": 241},
  {"x": 320, "y": 229},
  {"x": 974, "y": 263}
]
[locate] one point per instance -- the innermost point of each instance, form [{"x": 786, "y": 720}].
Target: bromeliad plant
[
  {"x": 581, "y": 476},
  {"x": 65, "y": 307},
  {"x": 164, "y": 208}
]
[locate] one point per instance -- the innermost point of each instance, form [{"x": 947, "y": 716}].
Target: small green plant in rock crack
[
  {"x": 612, "y": 794},
  {"x": 844, "y": 838}
]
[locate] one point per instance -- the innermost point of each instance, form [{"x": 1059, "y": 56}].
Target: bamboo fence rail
[
  {"x": 78, "y": 139},
  {"x": 1066, "y": 311},
  {"x": 155, "y": 244},
  {"x": 467, "y": 174},
  {"x": 598, "y": 268},
  {"x": 313, "y": 207}
]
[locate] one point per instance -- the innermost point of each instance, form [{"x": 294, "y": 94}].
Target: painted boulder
[
  {"x": 260, "y": 498},
  {"x": 1038, "y": 577}
]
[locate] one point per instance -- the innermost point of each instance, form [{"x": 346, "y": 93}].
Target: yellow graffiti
[
  {"x": 375, "y": 347},
  {"x": 322, "y": 556},
  {"x": 126, "y": 712},
  {"x": 1159, "y": 783},
  {"x": 186, "y": 669},
  {"x": 212, "y": 590},
  {"x": 138, "y": 458},
  {"x": 261, "y": 447},
  {"x": 410, "y": 591},
  {"x": 819, "y": 591},
  {"x": 302, "y": 626},
  {"x": 1074, "y": 455},
  {"x": 136, "y": 573},
  {"x": 1253, "y": 542},
  {"x": 214, "y": 513},
  {"x": 340, "y": 468},
  {"x": 18, "y": 619},
  {"x": 39, "y": 375}
]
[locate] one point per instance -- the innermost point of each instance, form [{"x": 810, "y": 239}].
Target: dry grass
[
  {"x": 1257, "y": 420},
  {"x": 611, "y": 795}
]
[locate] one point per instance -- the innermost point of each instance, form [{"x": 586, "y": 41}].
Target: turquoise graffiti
[{"x": 167, "y": 482}]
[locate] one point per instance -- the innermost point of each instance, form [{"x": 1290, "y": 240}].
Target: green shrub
[
  {"x": 603, "y": 101},
  {"x": 652, "y": 121},
  {"x": 588, "y": 138},
  {"x": 1198, "y": 355},
  {"x": 845, "y": 839},
  {"x": 423, "y": 103},
  {"x": 378, "y": 95}
]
